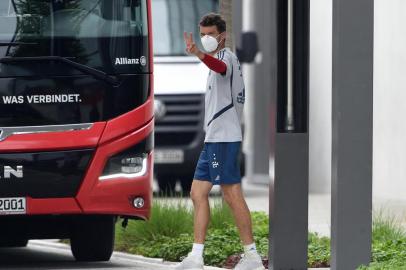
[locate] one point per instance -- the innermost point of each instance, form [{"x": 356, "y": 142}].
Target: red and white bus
[{"x": 76, "y": 120}]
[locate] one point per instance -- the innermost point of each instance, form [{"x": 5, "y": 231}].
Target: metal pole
[
  {"x": 290, "y": 121},
  {"x": 352, "y": 116},
  {"x": 288, "y": 25}
]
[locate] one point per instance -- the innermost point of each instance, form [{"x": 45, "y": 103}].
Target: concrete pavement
[
  {"x": 40, "y": 254},
  {"x": 49, "y": 255}
]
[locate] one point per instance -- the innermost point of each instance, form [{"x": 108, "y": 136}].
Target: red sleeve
[{"x": 215, "y": 64}]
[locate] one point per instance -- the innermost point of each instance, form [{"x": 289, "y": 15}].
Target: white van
[{"x": 180, "y": 82}]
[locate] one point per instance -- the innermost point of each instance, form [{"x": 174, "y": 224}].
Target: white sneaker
[
  {"x": 250, "y": 261},
  {"x": 191, "y": 262}
]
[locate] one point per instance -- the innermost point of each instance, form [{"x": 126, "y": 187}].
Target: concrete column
[{"x": 352, "y": 115}]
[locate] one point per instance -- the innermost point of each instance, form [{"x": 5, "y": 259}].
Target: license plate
[
  {"x": 168, "y": 156},
  {"x": 12, "y": 206}
]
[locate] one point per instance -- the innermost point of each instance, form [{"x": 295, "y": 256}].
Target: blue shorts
[{"x": 219, "y": 163}]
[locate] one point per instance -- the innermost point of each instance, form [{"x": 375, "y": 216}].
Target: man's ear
[{"x": 223, "y": 36}]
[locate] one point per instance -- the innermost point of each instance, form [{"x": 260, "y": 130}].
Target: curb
[{"x": 144, "y": 261}]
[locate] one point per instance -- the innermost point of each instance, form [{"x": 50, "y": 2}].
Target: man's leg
[
  {"x": 235, "y": 199},
  {"x": 199, "y": 194},
  {"x": 200, "y": 197}
]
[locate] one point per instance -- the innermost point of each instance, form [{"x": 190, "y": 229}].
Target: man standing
[{"x": 218, "y": 162}]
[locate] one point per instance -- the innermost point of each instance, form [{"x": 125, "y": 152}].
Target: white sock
[
  {"x": 197, "y": 250},
  {"x": 251, "y": 248}
]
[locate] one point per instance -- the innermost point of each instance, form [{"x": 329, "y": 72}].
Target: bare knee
[
  {"x": 232, "y": 194},
  {"x": 198, "y": 196},
  {"x": 228, "y": 199},
  {"x": 199, "y": 192}
]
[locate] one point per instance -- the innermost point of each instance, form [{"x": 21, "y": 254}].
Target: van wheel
[
  {"x": 11, "y": 243},
  {"x": 92, "y": 238},
  {"x": 186, "y": 183},
  {"x": 166, "y": 185}
]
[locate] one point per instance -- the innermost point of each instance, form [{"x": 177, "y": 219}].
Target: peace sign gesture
[{"x": 191, "y": 47}]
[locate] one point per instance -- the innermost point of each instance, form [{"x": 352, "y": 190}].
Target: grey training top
[{"x": 224, "y": 101}]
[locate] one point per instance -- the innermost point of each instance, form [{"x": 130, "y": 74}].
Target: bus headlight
[
  {"x": 130, "y": 163},
  {"x": 127, "y": 167},
  {"x": 133, "y": 165}
]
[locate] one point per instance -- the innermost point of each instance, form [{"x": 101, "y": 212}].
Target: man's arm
[{"x": 212, "y": 63}]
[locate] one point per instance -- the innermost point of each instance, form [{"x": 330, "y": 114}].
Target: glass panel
[
  {"x": 109, "y": 35},
  {"x": 172, "y": 17}
]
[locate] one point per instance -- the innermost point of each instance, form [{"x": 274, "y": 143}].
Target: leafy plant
[
  {"x": 169, "y": 235},
  {"x": 168, "y": 221},
  {"x": 318, "y": 250},
  {"x": 220, "y": 215},
  {"x": 388, "y": 244}
]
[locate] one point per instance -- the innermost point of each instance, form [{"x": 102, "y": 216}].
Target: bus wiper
[
  {"x": 85, "y": 69},
  {"x": 4, "y": 44}
]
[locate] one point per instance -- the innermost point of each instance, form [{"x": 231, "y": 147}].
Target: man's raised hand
[{"x": 191, "y": 47}]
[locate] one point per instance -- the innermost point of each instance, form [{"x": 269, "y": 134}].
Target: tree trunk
[{"x": 226, "y": 10}]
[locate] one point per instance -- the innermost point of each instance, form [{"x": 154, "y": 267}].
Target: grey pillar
[
  {"x": 237, "y": 21},
  {"x": 288, "y": 25},
  {"x": 351, "y": 217}
]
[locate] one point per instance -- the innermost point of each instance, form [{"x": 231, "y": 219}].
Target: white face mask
[{"x": 209, "y": 43}]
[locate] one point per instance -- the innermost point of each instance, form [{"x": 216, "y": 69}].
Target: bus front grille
[{"x": 56, "y": 174}]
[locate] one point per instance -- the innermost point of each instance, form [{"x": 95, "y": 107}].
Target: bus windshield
[{"x": 107, "y": 35}]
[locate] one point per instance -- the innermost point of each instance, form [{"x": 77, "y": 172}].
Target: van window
[{"x": 172, "y": 17}]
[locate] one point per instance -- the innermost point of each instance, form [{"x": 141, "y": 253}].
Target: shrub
[
  {"x": 388, "y": 244},
  {"x": 168, "y": 221},
  {"x": 169, "y": 235}
]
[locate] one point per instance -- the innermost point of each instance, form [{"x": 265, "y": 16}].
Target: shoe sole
[
  {"x": 194, "y": 268},
  {"x": 259, "y": 268}
]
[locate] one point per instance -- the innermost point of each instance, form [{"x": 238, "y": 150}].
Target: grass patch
[
  {"x": 169, "y": 235},
  {"x": 220, "y": 215},
  {"x": 318, "y": 251},
  {"x": 388, "y": 244},
  {"x": 168, "y": 221}
]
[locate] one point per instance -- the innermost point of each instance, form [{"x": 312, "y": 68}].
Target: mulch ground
[{"x": 232, "y": 261}]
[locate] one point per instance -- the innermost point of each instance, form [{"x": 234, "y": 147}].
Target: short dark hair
[{"x": 214, "y": 19}]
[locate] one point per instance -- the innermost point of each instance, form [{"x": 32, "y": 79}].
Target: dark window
[{"x": 108, "y": 35}]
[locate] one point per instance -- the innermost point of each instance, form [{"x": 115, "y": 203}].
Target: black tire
[
  {"x": 11, "y": 243},
  {"x": 166, "y": 185},
  {"x": 92, "y": 238},
  {"x": 186, "y": 184}
]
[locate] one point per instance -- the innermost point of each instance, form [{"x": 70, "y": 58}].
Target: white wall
[
  {"x": 389, "y": 171},
  {"x": 320, "y": 95},
  {"x": 390, "y": 99}
]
